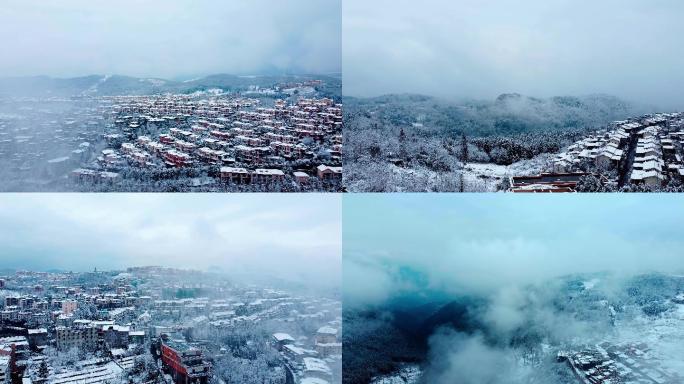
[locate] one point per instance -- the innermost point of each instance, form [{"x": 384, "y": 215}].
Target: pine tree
[
  {"x": 464, "y": 148},
  {"x": 402, "y": 145},
  {"x": 43, "y": 371}
]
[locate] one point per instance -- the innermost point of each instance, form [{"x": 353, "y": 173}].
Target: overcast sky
[
  {"x": 295, "y": 236},
  {"x": 161, "y": 38},
  {"x": 482, "y": 48},
  {"x": 478, "y": 243}
]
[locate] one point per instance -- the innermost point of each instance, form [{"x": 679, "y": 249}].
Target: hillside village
[
  {"x": 283, "y": 138},
  {"x": 162, "y": 325},
  {"x": 644, "y": 151}
]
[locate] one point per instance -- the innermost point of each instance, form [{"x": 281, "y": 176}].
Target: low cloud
[
  {"x": 534, "y": 275},
  {"x": 456, "y": 357}
]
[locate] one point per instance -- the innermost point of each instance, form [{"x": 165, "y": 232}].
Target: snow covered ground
[
  {"x": 93, "y": 88},
  {"x": 489, "y": 175},
  {"x": 477, "y": 177},
  {"x": 663, "y": 335}
]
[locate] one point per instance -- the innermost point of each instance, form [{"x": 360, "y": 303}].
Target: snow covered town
[
  {"x": 646, "y": 151},
  {"x": 280, "y": 139},
  {"x": 606, "y": 363},
  {"x": 162, "y": 325}
]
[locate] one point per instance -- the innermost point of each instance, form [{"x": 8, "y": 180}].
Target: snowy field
[{"x": 476, "y": 177}]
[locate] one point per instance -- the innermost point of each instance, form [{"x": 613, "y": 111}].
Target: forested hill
[
  {"x": 106, "y": 85},
  {"x": 508, "y": 114}
]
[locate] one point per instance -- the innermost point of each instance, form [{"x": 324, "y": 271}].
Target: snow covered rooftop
[
  {"x": 269, "y": 172},
  {"x": 102, "y": 374},
  {"x": 327, "y": 330},
  {"x": 283, "y": 337},
  {"x": 313, "y": 364},
  {"x": 313, "y": 380},
  {"x": 233, "y": 170}
]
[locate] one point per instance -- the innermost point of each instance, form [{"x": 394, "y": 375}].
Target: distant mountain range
[{"x": 108, "y": 85}]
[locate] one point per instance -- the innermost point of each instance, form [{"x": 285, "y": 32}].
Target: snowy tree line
[{"x": 419, "y": 143}]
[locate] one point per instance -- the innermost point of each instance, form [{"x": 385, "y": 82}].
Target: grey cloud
[
  {"x": 294, "y": 237},
  {"x": 482, "y": 244},
  {"x": 480, "y": 49},
  {"x": 157, "y": 38}
]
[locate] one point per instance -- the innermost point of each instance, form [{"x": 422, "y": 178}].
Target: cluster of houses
[
  {"x": 95, "y": 139},
  {"x": 46, "y": 312},
  {"x": 645, "y": 150},
  {"x": 287, "y": 141},
  {"x": 238, "y": 175},
  {"x": 310, "y": 364},
  {"x": 648, "y": 164},
  {"x": 608, "y": 363},
  {"x": 113, "y": 324}
]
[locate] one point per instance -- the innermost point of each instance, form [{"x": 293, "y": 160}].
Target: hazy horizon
[
  {"x": 296, "y": 237},
  {"x": 177, "y": 78},
  {"x": 170, "y": 40},
  {"x": 480, "y": 49},
  {"x": 477, "y": 244}
]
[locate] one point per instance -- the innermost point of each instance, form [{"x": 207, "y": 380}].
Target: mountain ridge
[{"x": 112, "y": 85}]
